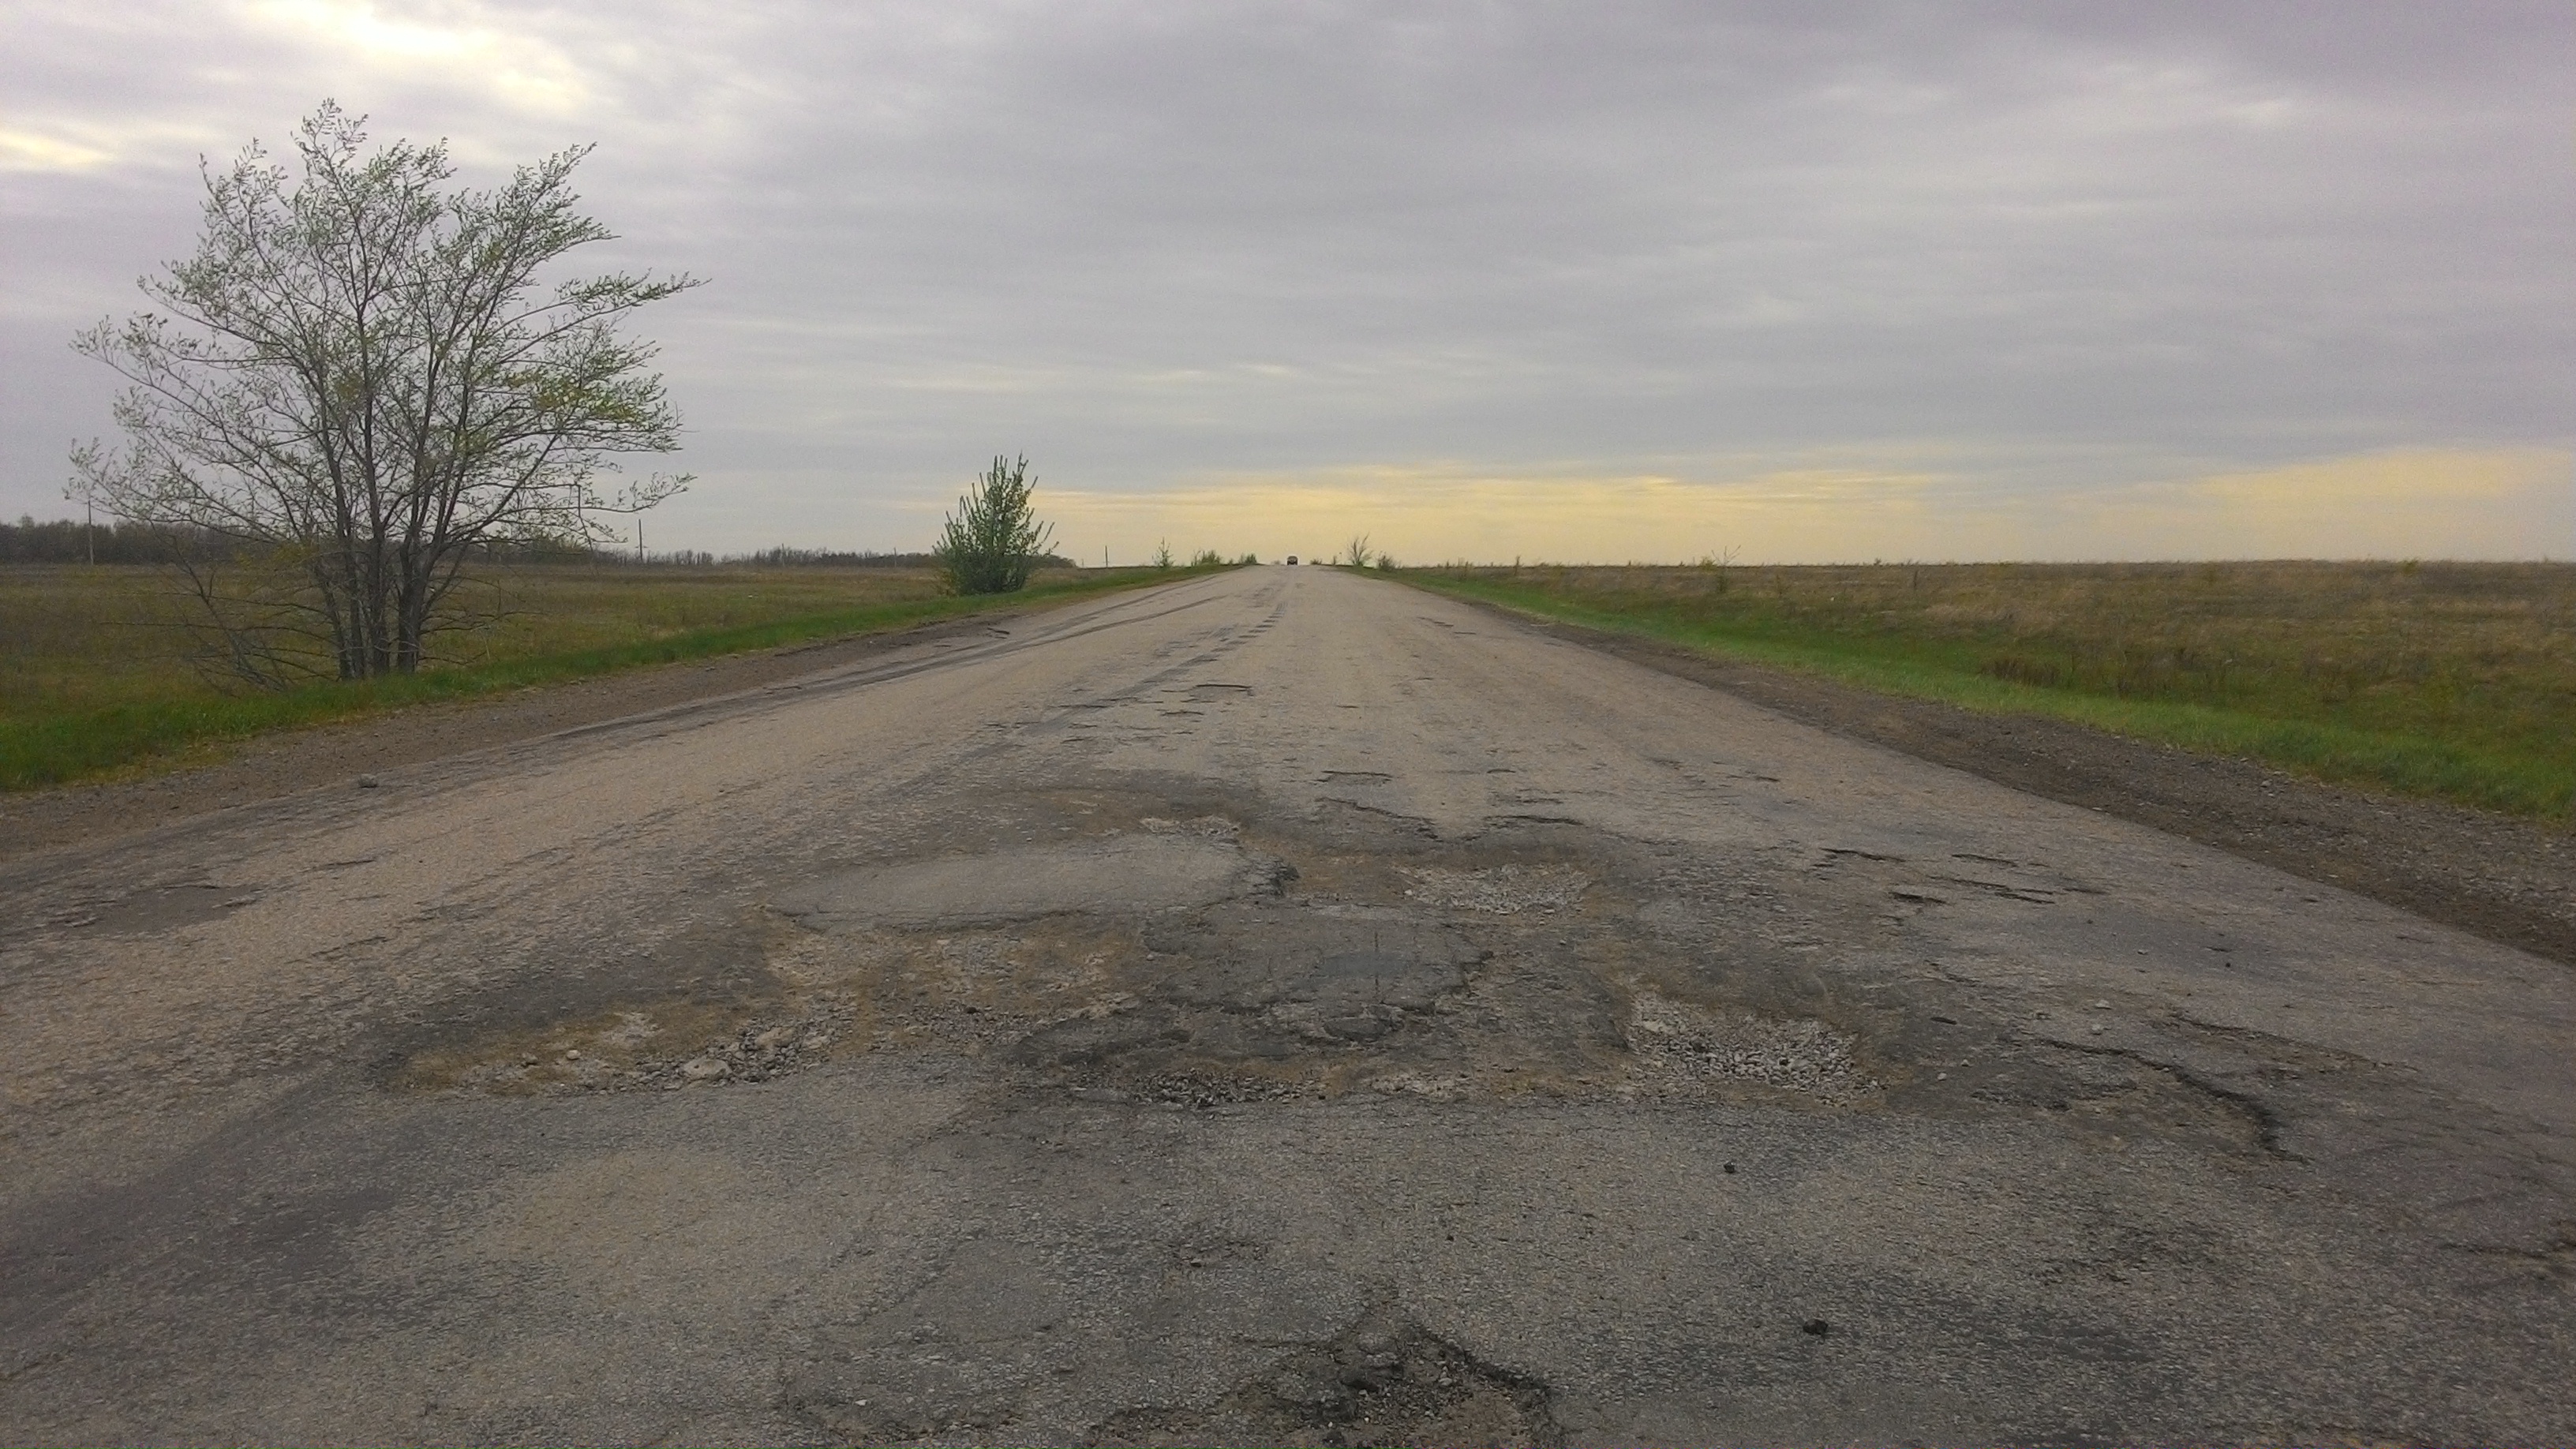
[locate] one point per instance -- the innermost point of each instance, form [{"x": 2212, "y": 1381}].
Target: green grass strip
[
  {"x": 2517, "y": 784},
  {"x": 84, "y": 744}
]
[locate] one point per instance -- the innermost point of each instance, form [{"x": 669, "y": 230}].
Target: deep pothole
[
  {"x": 1718, "y": 1045},
  {"x": 1505, "y": 890},
  {"x": 650, "y": 1047},
  {"x": 1241, "y": 1003},
  {"x": 1185, "y": 961},
  {"x": 1386, "y": 1380},
  {"x": 1165, "y": 865}
]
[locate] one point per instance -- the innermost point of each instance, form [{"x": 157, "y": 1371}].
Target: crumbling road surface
[{"x": 1282, "y": 1007}]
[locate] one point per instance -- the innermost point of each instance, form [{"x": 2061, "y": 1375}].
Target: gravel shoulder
[{"x": 2495, "y": 876}]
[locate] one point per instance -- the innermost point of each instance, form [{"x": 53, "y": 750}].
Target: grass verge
[
  {"x": 41, "y": 746},
  {"x": 2458, "y": 687}
]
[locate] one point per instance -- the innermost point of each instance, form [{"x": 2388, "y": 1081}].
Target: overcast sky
[{"x": 1482, "y": 280}]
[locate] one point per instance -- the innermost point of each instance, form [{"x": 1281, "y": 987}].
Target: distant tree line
[
  {"x": 70, "y": 541},
  {"x": 785, "y": 557},
  {"x": 117, "y": 541}
]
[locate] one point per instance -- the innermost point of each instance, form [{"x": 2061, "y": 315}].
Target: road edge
[
  {"x": 277, "y": 764},
  {"x": 2494, "y": 876}
]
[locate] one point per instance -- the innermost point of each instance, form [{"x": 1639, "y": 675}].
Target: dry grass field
[
  {"x": 96, "y": 671},
  {"x": 76, "y": 638},
  {"x": 2445, "y": 679},
  {"x": 2450, "y": 680}
]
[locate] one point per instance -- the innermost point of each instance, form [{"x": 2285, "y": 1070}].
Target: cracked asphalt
[{"x": 1280, "y": 1007}]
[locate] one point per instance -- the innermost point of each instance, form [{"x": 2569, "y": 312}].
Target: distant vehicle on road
[{"x": 1292, "y": 558}]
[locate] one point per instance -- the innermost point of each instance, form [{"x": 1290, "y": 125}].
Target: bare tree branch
[{"x": 357, "y": 373}]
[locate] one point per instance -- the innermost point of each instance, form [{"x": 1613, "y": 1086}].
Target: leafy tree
[
  {"x": 355, "y": 382},
  {"x": 993, "y": 541}
]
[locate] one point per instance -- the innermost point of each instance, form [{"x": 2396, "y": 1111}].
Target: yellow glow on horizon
[
  {"x": 1429, "y": 514},
  {"x": 2499, "y": 503},
  {"x": 2415, "y": 503}
]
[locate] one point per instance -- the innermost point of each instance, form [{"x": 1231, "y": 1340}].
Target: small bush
[{"x": 994, "y": 541}]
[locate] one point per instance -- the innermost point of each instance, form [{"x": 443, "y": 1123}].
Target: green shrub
[{"x": 993, "y": 542}]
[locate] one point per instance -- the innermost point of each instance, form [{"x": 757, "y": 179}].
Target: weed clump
[{"x": 994, "y": 541}]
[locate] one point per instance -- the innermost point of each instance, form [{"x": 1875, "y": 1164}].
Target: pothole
[
  {"x": 1200, "y": 1091},
  {"x": 1713, "y": 1046},
  {"x": 662, "y": 1047},
  {"x": 1174, "y": 867},
  {"x": 1170, "y": 962},
  {"x": 1248, "y": 1002},
  {"x": 1211, "y": 827},
  {"x": 1385, "y": 1381},
  {"x": 159, "y": 908},
  {"x": 2122, "y": 1091},
  {"x": 1503, "y": 890}
]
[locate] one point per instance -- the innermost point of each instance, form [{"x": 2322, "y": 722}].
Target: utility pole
[{"x": 89, "y": 527}]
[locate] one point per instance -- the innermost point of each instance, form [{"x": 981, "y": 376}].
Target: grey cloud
[{"x": 1154, "y": 242}]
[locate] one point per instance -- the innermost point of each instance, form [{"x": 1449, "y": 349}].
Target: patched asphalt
[{"x": 1282, "y": 1008}]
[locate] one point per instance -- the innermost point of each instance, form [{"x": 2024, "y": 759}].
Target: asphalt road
[{"x": 1282, "y": 1006}]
